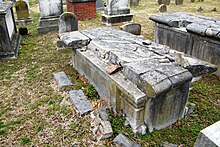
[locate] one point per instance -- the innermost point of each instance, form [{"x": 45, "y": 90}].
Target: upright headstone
[
  {"x": 163, "y": 8},
  {"x": 9, "y": 38},
  {"x": 165, "y": 2},
  {"x": 99, "y": 5},
  {"x": 22, "y": 10},
  {"x": 134, "y": 3},
  {"x": 116, "y": 12},
  {"x": 132, "y": 28},
  {"x": 178, "y": 2},
  {"x": 50, "y": 11},
  {"x": 209, "y": 136},
  {"x": 68, "y": 22}
]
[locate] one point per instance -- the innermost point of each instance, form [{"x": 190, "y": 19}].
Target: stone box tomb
[
  {"x": 9, "y": 39},
  {"x": 198, "y": 36},
  {"x": 50, "y": 10}
]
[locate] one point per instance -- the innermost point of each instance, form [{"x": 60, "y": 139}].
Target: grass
[{"x": 34, "y": 112}]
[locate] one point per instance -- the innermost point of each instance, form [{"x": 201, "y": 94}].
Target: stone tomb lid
[{"x": 4, "y": 7}]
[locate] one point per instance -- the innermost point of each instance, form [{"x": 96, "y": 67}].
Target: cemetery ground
[{"x": 34, "y": 111}]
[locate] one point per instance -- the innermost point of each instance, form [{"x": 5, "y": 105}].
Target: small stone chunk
[
  {"x": 122, "y": 140},
  {"x": 190, "y": 107},
  {"x": 167, "y": 144},
  {"x": 113, "y": 69},
  {"x": 200, "y": 9},
  {"x": 62, "y": 79},
  {"x": 209, "y": 136},
  {"x": 163, "y": 8},
  {"x": 80, "y": 101}
]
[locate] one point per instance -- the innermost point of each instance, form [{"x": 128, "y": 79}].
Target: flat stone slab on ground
[
  {"x": 80, "y": 101},
  {"x": 209, "y": 136},
  {"x": 124, "y": 141},
  {"x": 62, "y": 79}
]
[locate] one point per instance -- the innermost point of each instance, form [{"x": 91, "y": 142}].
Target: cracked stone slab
[
  {"x": 79, "y": 100},
  {"x": 62, "y": 79}
]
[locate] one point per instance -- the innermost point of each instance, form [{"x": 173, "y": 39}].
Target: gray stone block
[
  {"x": 132, "y": 28},
  {"x": 62, "y": 79},
  {"x": 124, "y": 141},
  {"x": 209, "y": 136},
  {"x": 80, "y": 101},
  {"x": 114, "y": 19}
]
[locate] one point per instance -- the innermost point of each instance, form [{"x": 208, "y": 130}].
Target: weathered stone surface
[
  {"x": 62, "y": 79},
  {"x": 73, "y": 40},
  {"x": 165, "y": 2},
  {"x": 67, "y": 22},
  {"x": 195, "y": 35},
  {"x": 132, "y": 28},
  {"x": 122, "y": 140},
  {"x": 209, "y": 136},
  {"x": 167, "y": 144},
  {"x": 163, "y": 8},
  {"x": 116, "y": 12},
  {"x": 80, "y": 101}
]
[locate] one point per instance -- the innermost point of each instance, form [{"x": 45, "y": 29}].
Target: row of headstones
[{"x": 177, "y": 2}]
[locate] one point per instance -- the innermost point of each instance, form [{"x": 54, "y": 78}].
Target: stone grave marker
[
  {"x": 134, "y": 3},
  {"x": 62, "y": 79},
  {"x": 209, "y": 136},
  {"x": 163, "y": 8},
  {"x": 99, "y": 5},
  {"x": 178, "y": 2},
  {"x": 122, "y": 140},
  {"x": 50, "y": 10},
  {"x": 165, "y": 2},
  {"x": 132, "y": 28},
  {"x": 116, "y": 12},
  {"x": 68, "y": 22},
  {"x": 22, "y": 10}
]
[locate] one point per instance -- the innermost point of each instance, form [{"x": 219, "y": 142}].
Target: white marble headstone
[
  {"x": 9, "y": 23},
  {"x": 50, "y": 8}
]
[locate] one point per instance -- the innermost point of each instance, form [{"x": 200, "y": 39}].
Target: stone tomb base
[
  {"x": 24, "y": 21},
  {"x": 48, "y": 24},
  {"x": 114, "y": 19}
]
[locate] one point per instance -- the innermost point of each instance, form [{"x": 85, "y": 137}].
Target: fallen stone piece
[
  {"x": 80, "y": 101},
  {"x": 189, "y": 108},
  {"x": 72, "y": 40},
  {"x": 101, "y": 126},
  {"x": 62, "y": 79},
  {"x": 111, "y": 69},
  {"x": 123, "y": 141},
  {"x": 167, "y": 144},
  {"x": 209, "y": 136}
]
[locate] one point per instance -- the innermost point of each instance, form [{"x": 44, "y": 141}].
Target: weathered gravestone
[
  {"x": 151, "y": 90},
  {"x": 22, "y": 10},
  {"x": 165, "y": 2},
  {"x": 116, "y": 12},
  {"x": 198, "y": 36},
  {"x": 99, "y": 5},
  {"x": 50, "y": 10},
  {"x": 178, "y": 2},
  {"x": 9, "y": 38},
  {"x": 0, "y": 1},
  {"x": 134, "y": 3},
  {"x": 68, "y": 22},
  {"x": 209, "y": 137},
  {"x": 163, "y": 8}
]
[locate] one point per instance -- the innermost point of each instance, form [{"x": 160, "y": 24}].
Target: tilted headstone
[
  {"x": 116, "y": 12},
  {"x": 209, "y": 136},
  {"x": 178, "y": 2},
  {"x": 22, "y": 10},
  {"x": 134, "y": 3},
  {"x": 99, "y": 5},
  {"x": 0, "y": 1},
  {"x": 50, "y": 10},
  {"x": 165, "y": 2},
  {"x": 68, "y": 22}
]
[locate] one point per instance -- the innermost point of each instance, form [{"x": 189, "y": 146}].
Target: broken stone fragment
[
  {"x": 62, "y": 79},
  {"x": 189, "y": 108},
  {"x": 123, "y": 141},
  {"x": 105, "y": 130},
  {"x": 111, "y": 69}
]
